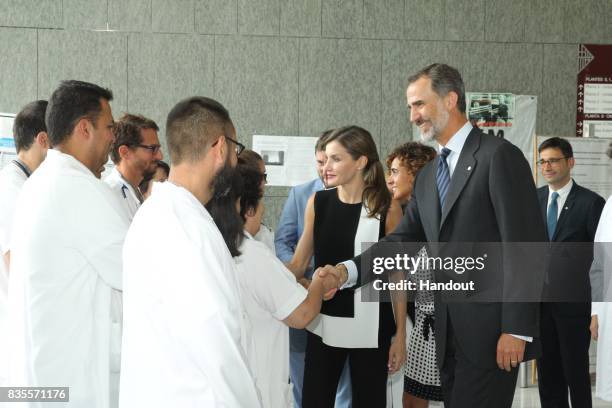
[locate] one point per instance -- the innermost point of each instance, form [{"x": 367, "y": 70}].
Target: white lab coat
[
  {"x": 603, "y": 258},
  {"x": 603, "y": 384},
  {"x": 182, "y": 310},
  {"x": 11, "y": 180},
  {"x": 266, "y": 236},
  {"x": 129, "y": 201},
  {"x": 65, "y": 259},
  {"x": 124, "y": 192},
  {"x": 270, "y": 294}
]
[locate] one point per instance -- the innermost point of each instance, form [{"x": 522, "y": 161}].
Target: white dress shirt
[
  {"x": 455, "y": 145},
  {"x": 563, "y": 193}
]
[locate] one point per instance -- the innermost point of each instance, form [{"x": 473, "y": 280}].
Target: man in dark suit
[
  {"x": 479, "y": 189},
  {"x": 572, "y": 213}
]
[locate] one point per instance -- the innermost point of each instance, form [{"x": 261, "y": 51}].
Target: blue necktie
[
  {"x": 443, "y": 175},
  {"x": 551, "y": 217}
]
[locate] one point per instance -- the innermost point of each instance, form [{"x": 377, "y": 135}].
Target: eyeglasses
[
  {"x": 265, "y": 177},
  {"x": 239, "y": 146},
  {"x": 153, "y": 148},
  {"x": 542, "y": 163}
]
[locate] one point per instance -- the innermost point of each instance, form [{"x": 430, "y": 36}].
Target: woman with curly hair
[{"x": 421, "y": 375}]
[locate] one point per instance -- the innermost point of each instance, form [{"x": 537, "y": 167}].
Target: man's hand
[
  {"x": 510, "y": 352},
  {"x": 338, "y": 270},
  {"x": 340, "y": 274},
  {"x": 328, "y": 281},
  {"x": 594, "y": 327}
]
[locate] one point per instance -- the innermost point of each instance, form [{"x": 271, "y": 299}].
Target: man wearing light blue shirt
[{"x": 288, "y": 233}]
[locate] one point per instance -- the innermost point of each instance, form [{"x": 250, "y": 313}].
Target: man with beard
[
  {"x": 136, "y": 152},
  {"x": 182, "y": 310},
  {"x": 66, "y": 257},
  {"x": 478, "y": 189}
]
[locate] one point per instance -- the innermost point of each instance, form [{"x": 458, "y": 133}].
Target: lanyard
[
  {"x": 23, "y": 167},
  {"x": 124, "y": 188}
]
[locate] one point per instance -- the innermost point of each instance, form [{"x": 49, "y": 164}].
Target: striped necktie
[{"x": 443, "y": 175}]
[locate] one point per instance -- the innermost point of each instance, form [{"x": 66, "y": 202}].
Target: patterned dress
[{"x": 421, "y": 374}]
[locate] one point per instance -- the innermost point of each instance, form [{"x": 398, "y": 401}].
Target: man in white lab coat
[
  {"x": 182, "y": 309},
  {"x": 31, "y": 143},
  {"x": 66, "y": 257},
  {"x": 601, "y": 319},
  {"x": 136, "y": 152}
]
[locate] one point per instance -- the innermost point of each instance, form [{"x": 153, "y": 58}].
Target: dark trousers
[
  {"x": 466, "y": 385},
  {"x": 324, "y": 364},
  {"x": 565, "y": 359}
]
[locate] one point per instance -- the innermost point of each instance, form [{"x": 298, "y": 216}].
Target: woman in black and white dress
[
  {"x": 336, "y": 223},
  {"x": 421, "y": 374}
]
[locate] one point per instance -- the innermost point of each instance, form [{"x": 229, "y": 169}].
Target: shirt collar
[
  {"x": 115, "y": 172},
  {"x": 563, "y": 191},
  {"x": 71, "y": 161},
  {"x": 456, "y": 142},
  {"x": 171, "y": 189},
  {"x": 23, "y": 167}
]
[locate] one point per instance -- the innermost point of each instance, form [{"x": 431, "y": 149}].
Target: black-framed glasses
[
  {"x": 239, "y": 146},
  {"x": 542, "y": 163},
  {"x": 154, "y": 148}
]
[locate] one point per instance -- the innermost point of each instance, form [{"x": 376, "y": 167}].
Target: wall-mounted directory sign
[{"x": 594, "y": 91}]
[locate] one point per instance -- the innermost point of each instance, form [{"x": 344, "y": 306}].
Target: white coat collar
[{"x": 59, "y": 159}]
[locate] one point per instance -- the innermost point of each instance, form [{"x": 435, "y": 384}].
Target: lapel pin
[
  {"x": 567, "y": 208},
  {"x": 469, "y": 168}
]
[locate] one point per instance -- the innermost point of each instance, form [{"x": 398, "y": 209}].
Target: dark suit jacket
[
  {"x": 567, "y": 278},
  {"x": 491, "y": 198}
]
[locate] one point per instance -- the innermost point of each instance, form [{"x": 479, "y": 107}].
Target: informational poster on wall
[
  {"x": 511, "y": 117},
  {"x": 593, "y": 168},
  {"x": 7, "y": 143},
  {"x": 594, "y": 91},
  {"x": 289, "y": 159}
]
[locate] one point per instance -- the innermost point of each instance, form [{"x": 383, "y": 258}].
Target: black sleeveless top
[{"x": 335, "y": 226}]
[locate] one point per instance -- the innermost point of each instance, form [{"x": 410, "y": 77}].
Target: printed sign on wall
[{"x": 594, "y": 91}]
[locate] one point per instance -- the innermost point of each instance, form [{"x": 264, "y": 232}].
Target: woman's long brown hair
[{"x": 359, "y": 142}]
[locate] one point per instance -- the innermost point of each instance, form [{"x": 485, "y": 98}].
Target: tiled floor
[{"x": 529, "y": 398}]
